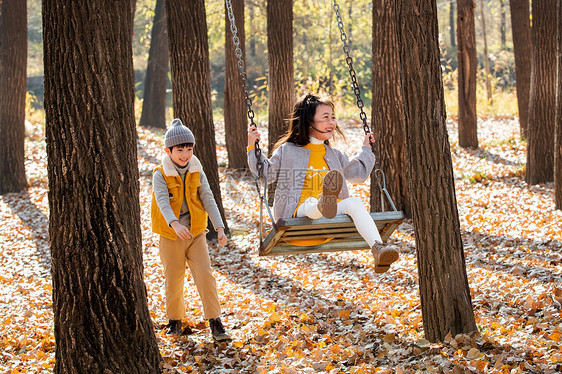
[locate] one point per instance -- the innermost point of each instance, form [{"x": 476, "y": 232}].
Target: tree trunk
[
  {"x": 101, "y": 317},
  {"x": 558, "y": 121},
  {"x": 452, "y": 23},
  {"x": 542, "y": 107},
  {"x": 191, "y": 84},
  {"x": 488, "y": 74},
  {"x": 521, "y": 29},
  {"x": 280, "y": 62},
  {"x": 133, "y": 10},
  {"x": 388, "y": 111},
  {"x": 156, "y": 81},
  {"x": 281, "y": 76},
  {"x": 468, "y": 128},
  {"x": 13, "y": 65},
  {"x": 235, "y": 111},
  {"x": 502, "y": 24},
  {"x": 445, "y": 295},
  {"x": 252, "y": 12}
]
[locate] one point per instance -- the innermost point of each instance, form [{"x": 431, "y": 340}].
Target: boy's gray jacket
[{"x": 288, "y": 166}]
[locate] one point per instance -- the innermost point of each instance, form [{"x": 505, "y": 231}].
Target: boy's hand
[
  {"x": 220, "y": 235},
  {"x": 182, "y": 231},
  {"x": 369, "y": 138},
  {"x": 253, "y": 135}
]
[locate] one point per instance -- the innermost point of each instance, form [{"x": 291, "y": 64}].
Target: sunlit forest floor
[{"x": 323, "y": 312}]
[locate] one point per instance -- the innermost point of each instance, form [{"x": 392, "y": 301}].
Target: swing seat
[{"x": 341, "y": 230}]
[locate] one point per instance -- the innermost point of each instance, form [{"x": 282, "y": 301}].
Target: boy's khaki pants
[{"x": 174, "y": 254}]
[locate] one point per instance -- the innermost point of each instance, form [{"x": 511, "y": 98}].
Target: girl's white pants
[{"x": 353, "y": 207}]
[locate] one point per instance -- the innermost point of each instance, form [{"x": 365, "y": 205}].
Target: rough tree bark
[
  {"x": 468, "y": 120},
  {"x": 156, "y": 81},
  {"x": 280, "y": 62},
  {"x": 133, "y": 10},
  {"x": 542, "y": 108},
  {"x": 235, "y": 119},
  {"x": 191, "y": 85},
  {"x": 558, "y": 122},
  {"x": 521, "y": 30},
  {"x": 281, "y": 72},
  {"x": 101, "y": 317},
  {"x": 387, "y": 117},
  {"x": 13, "y": 65},
  {"x": 445, "y": 295}
]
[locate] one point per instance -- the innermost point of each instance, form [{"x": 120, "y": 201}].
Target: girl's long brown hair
[{"x": 301, "y": 120}]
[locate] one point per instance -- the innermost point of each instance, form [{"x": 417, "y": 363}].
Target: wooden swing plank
[
  {"x": 326, "y": 247},
  {"x": 320, "y": 235},
  {"x": 336, "y": 231},
  {"x": 339, "y": 228},
  {"x": 282, "y": 243}
]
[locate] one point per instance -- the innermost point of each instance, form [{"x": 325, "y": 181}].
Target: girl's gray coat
[{"x": 288, "y": 166}]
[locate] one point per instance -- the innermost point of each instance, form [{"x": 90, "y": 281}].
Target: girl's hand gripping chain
[
  {"x": 369, "y": 138},
  {"x": 253, "y": 135}
]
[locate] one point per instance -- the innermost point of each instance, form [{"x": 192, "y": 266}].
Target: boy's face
[{"x": 180, "y": 155}]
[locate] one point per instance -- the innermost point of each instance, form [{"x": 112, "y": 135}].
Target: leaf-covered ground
[{"x": 323, "y": 312}]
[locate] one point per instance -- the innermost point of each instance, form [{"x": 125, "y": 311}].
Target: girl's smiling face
[
  {"x": 324, "y": 123},
  {"x": 180, "y": 154}
]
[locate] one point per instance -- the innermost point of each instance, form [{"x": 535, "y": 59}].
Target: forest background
[
  {"x": 318, "y": 57},
  {"x": 514, "y": 294}
]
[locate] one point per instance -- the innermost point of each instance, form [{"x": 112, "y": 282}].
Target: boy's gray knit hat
[{"x": 178, "y": 134}]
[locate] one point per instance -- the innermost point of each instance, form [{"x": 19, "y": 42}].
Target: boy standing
[{"x": 181, "y": 201}]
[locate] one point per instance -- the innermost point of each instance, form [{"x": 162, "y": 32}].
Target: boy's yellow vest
[{"x": 196, "y": 210}]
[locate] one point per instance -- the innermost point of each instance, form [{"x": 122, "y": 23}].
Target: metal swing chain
[
  {"x": 248, "y": 100},
  {"x": 360, "y": 105}
]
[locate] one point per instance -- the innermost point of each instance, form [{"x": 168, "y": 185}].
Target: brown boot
[
  {"x": 328, "y": 199},
  {"x": 187, "y": 330},
  {"x": 384, "y": 256},
  {"x": 173, "y": 327},
  {"x": 217, "y": 330}
]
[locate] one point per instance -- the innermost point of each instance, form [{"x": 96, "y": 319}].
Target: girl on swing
[{"x": 310, "y": 173}]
